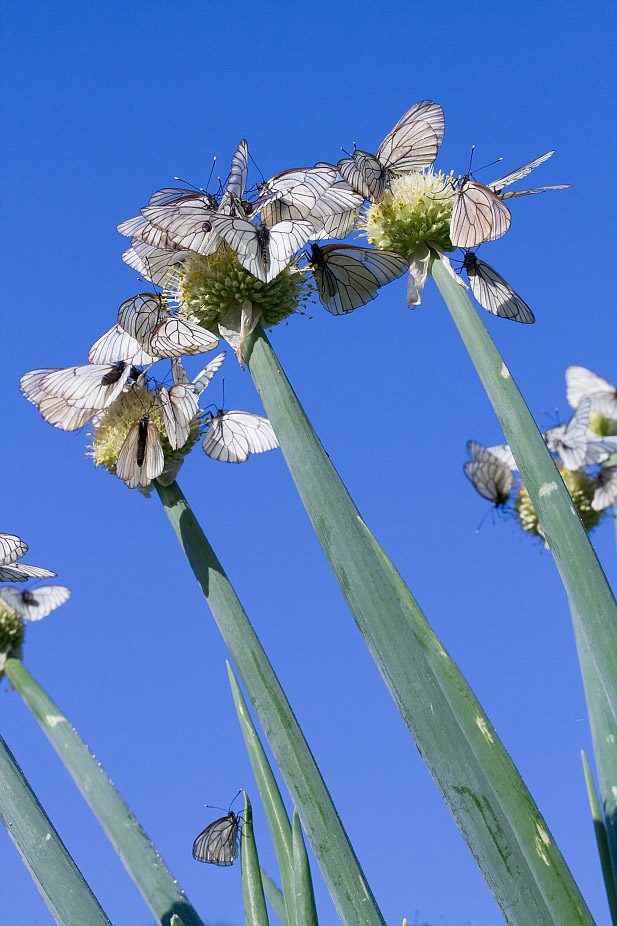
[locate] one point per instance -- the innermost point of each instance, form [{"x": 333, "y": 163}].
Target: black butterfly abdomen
[
  {"x": 263, "y": 243},
  {"x": 114, "y": 375},
  {"x": 141, "y": 440}
]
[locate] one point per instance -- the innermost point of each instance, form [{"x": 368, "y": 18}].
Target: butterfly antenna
[
  {"x": 477, "y": 530},
  {"x": 211, "y": 172},
  {"x": 192, "y": 185},
  {"x": 235, "y": 798},
  {"x": 254, "y": 162},
  {"x": 344, "y": 150},
  {"x": 496, "y": 161},
  {"x": 471, "y": 159},
  {"x": 223, "y": 392}
]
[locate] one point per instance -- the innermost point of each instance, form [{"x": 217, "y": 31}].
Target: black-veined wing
[
  {"x": 30, "y": 384},
  {"x": 540, "y": 189},
  {"x": 582, "y": 383},
  {"x": 93, "y": 386},
  {"x": 141, "y": 456},
  {"x": 179, "y": 406},
  {"x": 570, "y": 441},
  {"x": 12, "y": 547},
  {"x": 599, "y": 449},
  {"x": 234, "y": 435},
  {"x": 606, "y": 488},
  {"x": 347, "y": 276},
  {"x": 19, "y": 572},
  {"x": 296, "y": 191},
  {"x": 412, "y": 144},
  {"x": 493, "y": 293},
  {"x": 141, "y": 315},
  {"x": 154, "y": 264},
  {"x": 117, "y": 344},
  {"x": 335, "y": 213},
  {"x": 60, "y": 414},
  {"x": 218, "y": 843},
  {"x": 478, "y": 215},
  {"x": 140, "y": 228},
  {"x": 170, "y": 195},
  {"x": 238, "y": 172},
  {"x": 493, "y": 481},
  {"x": 177, "y": 336},
  {"x": 204, "y": 376},
  {"x": 503, "y": 453},
  {"x": 34, "y": 604},
  {"x": 263, "y": 251},
  {"x": 187, "y": 224}
]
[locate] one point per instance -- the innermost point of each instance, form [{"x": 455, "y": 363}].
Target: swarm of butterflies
[
  {"x": 578, "y": 448},
  {"x": 265, "y": 226}
]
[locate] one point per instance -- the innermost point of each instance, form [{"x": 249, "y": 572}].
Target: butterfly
[
  {"x": 219, "y": 843},
  {"x": 141, "y": 456},
  {"x": 117, "y": 344},
  {"x": 204, "y": 376},
  {"x": 34, "y": 604},
  {"x": 148, "y": 321},
  {"x": 582, "y": 383},
  {"x": 92, "y": 386},
  {"x": 12, "y": 547},
  {"x": 606, "y": 488},
  {"x": 478, "y": 213},
  {"x": 570, "y": 441},
  {"x": 493, "y": 293},
  {"x": 262, "y": 250},
  {"x": 233, "y": 436},
  {"x": 491, "y": 478},
  {"x": 294, "y": 193},
  {"x": 349, "y": 276},
  {"x": 153, "y": 264},
  {"x": 179, "y": 406},
  {"x": 412, "y": 144}
]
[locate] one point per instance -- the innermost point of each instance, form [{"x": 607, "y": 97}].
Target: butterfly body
[
  {"x": 218, "y": 844},
  {"x": 493, "y": 293}
]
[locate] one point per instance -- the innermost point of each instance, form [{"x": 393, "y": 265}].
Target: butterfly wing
[
  {"x": 606, "y": 489},
  {"x": 599, "y": 449},
  {"x": 336, "y": 212},
  {"x": 19, "y": 572},
  {"x": 117, "y": 344},
  {"x": 177, "y": 336},
  {"x": 87, "y": 386},
  {"x": 477, "y": 215},
  {"x": 153, "y": 264},
  {"x": 234, "y": 435},
  {"x": 218, "y": 843},
  {"x": 186, "y": 224},
  {"x": 571, "y": 445},
  {"x": 493, "y": 481},
  {"x": 497, "y": 185},
  {"x": 582, "y": 383},
  {"x": 285, "y": 239},
  {"x": 153, "y": 464},
  {"x": 203, "y": 378},
  {"x": 298, "y": 190},
  {"x": 365, "y": 174},
  {"x": 12, "y": 547},
  {"x": 60, "y": 414},
  {"x": 179, "y": 407},
  {"x": 348, "y": 276},
  {"x": 424, "y": 111},
  {"x": 30, "y": 384},
  {"x": 409, "y": 146},
  {"x": 493, "y": 293},
  {"x": 45, "y": 600}
]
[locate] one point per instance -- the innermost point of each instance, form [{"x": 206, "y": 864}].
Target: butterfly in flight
[
  {"x": 34, "y": 604},
  {"x": 493, "y": 293},
  {"x": 412, "y": 145},
  {"x": 219, "y": 843}
]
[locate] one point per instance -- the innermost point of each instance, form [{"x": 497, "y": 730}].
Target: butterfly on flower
[{"x": 348, "y": 276}]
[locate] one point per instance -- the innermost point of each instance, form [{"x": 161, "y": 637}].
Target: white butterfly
[
  {"x": 179, "y": 406},
  {"x": 12, "y": 547},
  {"x": 153, "y": 264},
  {"x": 335, "y": 213},
  {"x": 34, "y": 604},
  {"x": 570, "y": 441},
  {"x": 263, "y": 251},
  {"x": 498, "y": 185},
  {"x": 412, "y": 144},
  {"x": 142, "y": 229},
  {"x": 294, "y": 193},
  {"x": 92, "y": 386},
  {"x": 232, "y": 436},
  {"x": 141, "y": 456},
  {"x": 204, "y": 377},
  {"x": 349, "y": 276},
  {"x": 117, "y": 344},
  {"x": 55, "y": 410},
  {"x": 606, "y": 488},
  {"x": 161, "y": 334},
  {"x": 582, "y": 383},
  {"x": 490, "y": 477},
  {"x": 479, "y": 214},
  {"x": 218, "y": 843},
  {"x": 493, "y": 293}
]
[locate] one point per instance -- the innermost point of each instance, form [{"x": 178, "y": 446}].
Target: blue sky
[{"x": 105, "y": 103}]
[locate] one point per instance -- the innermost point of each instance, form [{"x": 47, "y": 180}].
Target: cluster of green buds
[{"x": 586, "y": 451}]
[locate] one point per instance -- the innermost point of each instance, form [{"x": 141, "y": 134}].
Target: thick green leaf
[
  {"x": 602, "y": 841},
  {"x": 158, "y": 886},
  {"x": 306, "y": 912},
  {"x": 255, "y": 913},
  {"x": 275, "y": 896},
  {"x": 278, "y": 821},
  {"x": 347, "y": 885},
  {"x": 488, "y": 799},
  {"x": 592, "y": 602},
  {"x": 54, "y": 872}
]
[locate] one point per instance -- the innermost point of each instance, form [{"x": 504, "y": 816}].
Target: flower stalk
[{"x": 484, "y": 792}]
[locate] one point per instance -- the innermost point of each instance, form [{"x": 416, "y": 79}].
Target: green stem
[
  {"x": 139, "y": 856},
  {"x": 485, "y": 794},
  {"x": 348, "y": 886},
  {"x": 592, "y": 602},
  {"x": 54, "y": 872},
  {"x": 601, "y": 840},
  {"x": 255, "y": 913}
]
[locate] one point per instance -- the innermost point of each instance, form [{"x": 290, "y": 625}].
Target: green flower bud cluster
[
  {"x": 580, "y": 486},
  {"x": 12, "y": 628},
  {"x": 415, "y": 210},
  {"x": 209, "y": 286}
]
